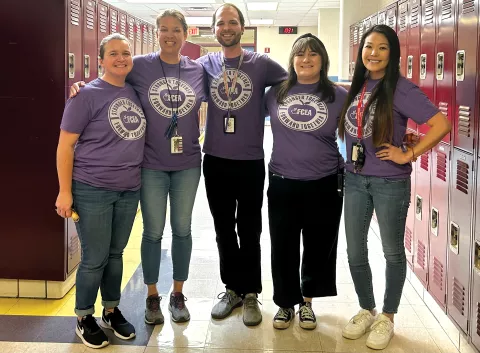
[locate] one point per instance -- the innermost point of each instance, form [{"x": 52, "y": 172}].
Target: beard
[{"x": 230, "y": 43}]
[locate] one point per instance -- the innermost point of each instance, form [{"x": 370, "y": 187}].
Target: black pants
[
  {"x": 235, "y": 196},
  {"x": 314, "y": 209}
]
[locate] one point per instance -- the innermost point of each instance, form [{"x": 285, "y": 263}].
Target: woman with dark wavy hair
[
  {"x": 303, "y": 196},
  {"x": 373, "y": 123}
]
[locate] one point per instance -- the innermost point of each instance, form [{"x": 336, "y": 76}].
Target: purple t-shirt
[
  {"x": 304, "y": 133},
  {"x": 408, "y": 102},
  {"x": 148, "y": 79},
  {"x": 111, "y": 124},
  {"x": 256, "y": 73}
]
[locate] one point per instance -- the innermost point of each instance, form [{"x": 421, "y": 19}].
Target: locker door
[
  {"x": 460, "y": 238},
  {"x": 439, "y": 223},
  {"x": 422, "y": 216},
  {"x": 445, "y": 60},
  {"x": 137, "y": 29},
  {"x": 427, "y": 50},
  {"x": 151, "y": 38},
  {"x": 74, "y": 43},
  {"x": 412, "y": 57},
  {"x": 130, "y": 34},
  {"x": 361, "y": 30},
  {"x": 114, "y": 20},
  {"x": 356, "y": 41},
  {"x": 465, "y": 75},
  {"x": 122, "y": 25},
  {"x": 403, "y": 34},
  {"x": 373, "y": 20},
  {"x": 409, "y": 238},
  {"x": 103, "y": 29},
  {"x": 90, "y": 51},
  {"x": 145, "y": 38},
  {"x": 351, "y": 62},
  {"x": 392, "y": 16},
  {"x": 475, "y": 255}
]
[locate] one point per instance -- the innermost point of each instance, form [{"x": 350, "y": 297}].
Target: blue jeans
[
  {"x": 106, "y": 220},
  {"x": 157, "y": 185},
  {"x": 390, "y": 198}
]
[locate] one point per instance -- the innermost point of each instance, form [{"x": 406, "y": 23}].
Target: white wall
[
  {"x": 279, "y": 44},
  {"x": 328, "y": 24}
]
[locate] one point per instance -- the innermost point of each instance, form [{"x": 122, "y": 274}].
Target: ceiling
[{"x": 199, "y": 12}]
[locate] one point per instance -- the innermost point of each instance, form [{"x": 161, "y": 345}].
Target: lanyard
[
  {"x": 229, "y": 90},
  {"x": 360, "y": 109},
  {"x": 173, "y": 126}
]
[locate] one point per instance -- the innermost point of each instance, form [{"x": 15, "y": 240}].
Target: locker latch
[
  {"x": 454, "y": 237},
  {"x": 86, "y": 66},
  {"x": 100, "y": 70},
  {"x": 71, "y": 65},
  {"x": 434, "y": 225},
  {"x": 423, "y": 66},
  {"x": 476, "y": 257},
  {"x": 460, "y": 64},
  {"x": 418, "y": 207},
  {"x": 440, "y": 65},
  {"x": 409, "y": 66}
]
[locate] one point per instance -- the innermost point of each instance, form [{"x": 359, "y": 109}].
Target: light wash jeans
[
  {"x": 390, "y": 198},
  {"x": 181, "y": 186},
  {"x": 106, "y": 220}
]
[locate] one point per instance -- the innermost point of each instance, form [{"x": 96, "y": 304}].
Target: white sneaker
[
  {"x": 382, "y": 333},
  {"x": 358, "y": 325}
]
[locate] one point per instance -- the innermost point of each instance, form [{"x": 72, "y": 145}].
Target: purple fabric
[
  {"x": 409, "y": 102},
  {"x": 148, "y": 79},
  {"x": 256, "y": 73},
  {"x": 304, "y": 133},
  {"x": 111, "y": 124}
]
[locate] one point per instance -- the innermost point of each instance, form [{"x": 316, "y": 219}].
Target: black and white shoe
[
  {"x": 307, "y": 316},
  {"x": 116, "y": 322},
  {"x": 90, "y": 333},
  {"x": 283, "y": 318}
]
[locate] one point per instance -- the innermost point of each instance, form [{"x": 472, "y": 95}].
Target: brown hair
[
  {"x": 173, "y": 13},
  {"x": 227, "y": 4},
  {"x": 110, "y": 37}
]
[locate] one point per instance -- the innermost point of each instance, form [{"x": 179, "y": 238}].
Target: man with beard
[{"x": 234, "y": 166}]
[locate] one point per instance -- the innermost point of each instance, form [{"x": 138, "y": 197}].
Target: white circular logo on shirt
[
  {"x": 241, "y": 93},
  {"x": 127, "y": 119},
  {"x": 303, "y": 112},
  {"x": 351, "y": 119},
  {"x": 165, "y": 102}
]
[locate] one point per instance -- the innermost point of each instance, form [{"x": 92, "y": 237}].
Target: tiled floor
[{"x": 417, "y": 330}]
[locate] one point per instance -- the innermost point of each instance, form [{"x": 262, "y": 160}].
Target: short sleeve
[
  {"x": 77, "y": 114},
  {"x": 416, "y": 105},
  {"x": 266, "y": 100},
  {"x": 274, "y": 73}
]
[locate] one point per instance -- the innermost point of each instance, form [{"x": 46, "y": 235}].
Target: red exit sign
[{"x": 193, "y": 31}]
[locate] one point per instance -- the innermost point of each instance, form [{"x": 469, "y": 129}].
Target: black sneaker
[
  {"x": 116, "y": 322},
  {"x": 307, "y": 316},
  {"x": 90, "y": 333},
  {"x": 283, "y": 318}
]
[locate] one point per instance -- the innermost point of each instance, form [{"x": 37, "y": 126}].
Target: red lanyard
[{"x": 360, "y": 109}]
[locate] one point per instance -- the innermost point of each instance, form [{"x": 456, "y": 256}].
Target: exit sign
[{"x": 193, "y": 31}]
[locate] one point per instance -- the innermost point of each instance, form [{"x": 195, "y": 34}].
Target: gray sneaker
[
  {"x": 153, "y": 313},
  {"x": 252, "y": 315},
  {"x": 177, "y": 307},
  {"x": 229, "y": 301}
]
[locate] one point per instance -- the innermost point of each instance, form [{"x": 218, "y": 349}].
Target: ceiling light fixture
[{"x": 262, "y": 6}]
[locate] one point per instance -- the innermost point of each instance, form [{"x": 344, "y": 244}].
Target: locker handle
[
  {"x": 86, "y": 66},
  {"x": 418, "y": 207},
  {"x": 99, "y": 67},
  {"x": 423, "y": 66},
  {"x": 460, "y": 64},
  {"x": 440, "y": 65},
  {"x": 409, "y": 66},
  {"x": 71, "y": 65},
  {"x": 434, "y": 226},
  {"x": 476, "y": 257},
  {"x": 454, "y": 237}
]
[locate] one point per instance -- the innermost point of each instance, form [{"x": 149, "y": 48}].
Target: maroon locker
[
  {"x": 137, "y": 30},
  {"x": 475, "y": 332},
  {"x": 114, "y": 20},
  {"x": 130, "y": 31},
  {"x": 427, "y": 52},
  {"x": 145, "y": 43},
  {"x": 361, "y": 30},
  {"x": 351, "y": 62},
  {"x": 460, "y": 237},
  {"x": 403, "y": 34},
  {"x": 422, "y": 216},
  {"x": 445, "y": 60},
  {"x": 465, "y": 75},
  {"x": 103, "y": 29},
  {"x": 392, "y": 16},
  {"x": 123, "y": 25},
  {"x": 356, "y": 41},
  {"x": 409, "y": 238},
  {"x": 90, "y": 49},
  {"x": 382, "y": 17},
  {"x": 154, "y": 38},
  {"x": 413, "y": 49},
  {"x": 439, "y": 223}
]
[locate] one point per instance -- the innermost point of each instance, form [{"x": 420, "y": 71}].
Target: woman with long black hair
[{"x": 373, "y": 123}]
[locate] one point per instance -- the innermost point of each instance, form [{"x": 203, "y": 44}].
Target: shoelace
[
  {"x": 226, "y": 297},
  {"x": 306, "y": 313},
  {"x": 251, "y": 302},
  {"x": 179, "y": 301},
  {"x": 154, "y": 303},
  {"x": 381, "y": 326},
  {"x": 360, "y": 317},
  {"x": 282, "y": 314}
]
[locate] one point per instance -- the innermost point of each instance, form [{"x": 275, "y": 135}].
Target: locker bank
[{"x": 52, "y": 44}]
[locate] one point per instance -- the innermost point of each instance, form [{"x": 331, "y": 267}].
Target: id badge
[
  {"x": 229, "y": 124},
  {"x": 176, "y": 144},
  {"x": 357, "y": 150}
]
